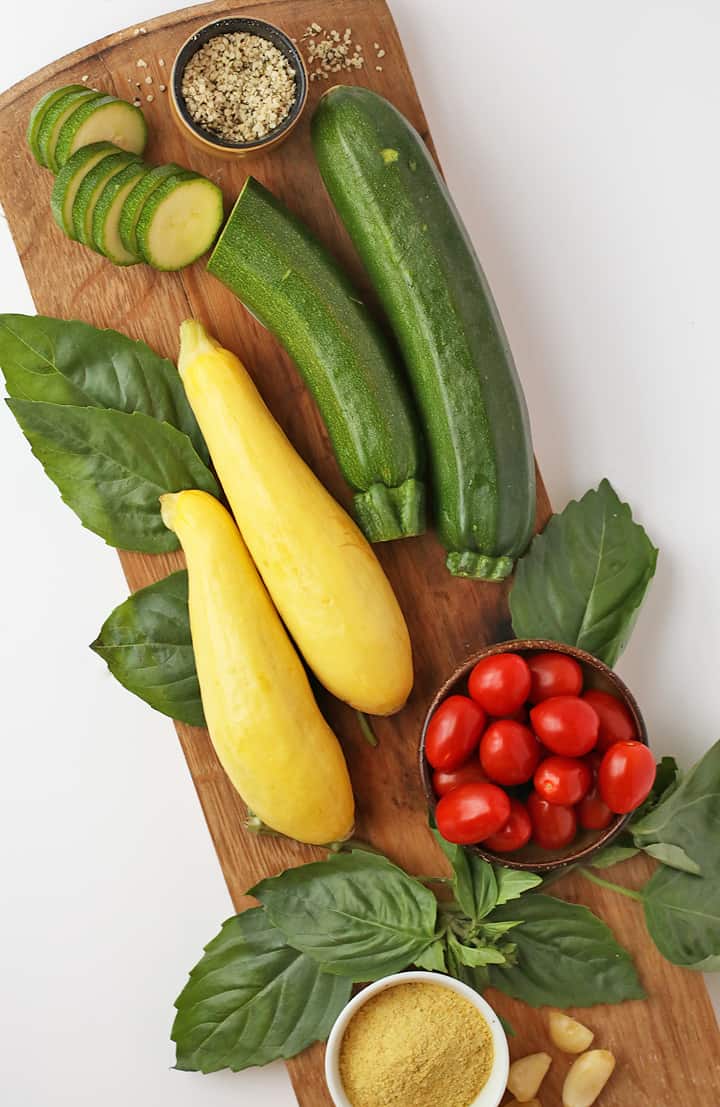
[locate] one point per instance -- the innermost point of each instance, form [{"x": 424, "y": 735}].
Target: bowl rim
[
  {"x": 229, "y": 25},
  {"x": 492, "y": 1092},
  {"x": 533, "y": 645}
]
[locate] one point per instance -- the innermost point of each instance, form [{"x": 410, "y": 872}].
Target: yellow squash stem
[
  {"x": 321, "y": 573},
  {"x": 266, "y": 728}
]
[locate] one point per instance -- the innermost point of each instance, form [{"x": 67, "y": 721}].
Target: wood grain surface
[{"x": 668, "y": 1047}]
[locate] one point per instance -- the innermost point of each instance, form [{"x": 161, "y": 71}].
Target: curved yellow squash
[
  {"x": 266, "y": 728},
  {"x": 322, "y": 574}
]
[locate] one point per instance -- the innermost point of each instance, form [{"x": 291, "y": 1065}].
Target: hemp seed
[{"x": 239, "y": 86}]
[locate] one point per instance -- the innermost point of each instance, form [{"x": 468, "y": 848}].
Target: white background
[{"x": 581, "y": 143}]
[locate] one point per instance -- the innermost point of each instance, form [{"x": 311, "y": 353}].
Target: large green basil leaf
[
  {"x": 473, "y": 879},
  {"x": 566, "y": 957},
  {"x": 356, "y": 914},
  {"x": 584, "y": 578},
  {"x": 111, "y": 468},
  {"x": 682, "y": 913},
  {"x": 614, "y": 854},
  {"x": 147, "y": 646},
  {"x": 682, "y": 830},
  {"x": 252, "y": 999},
  {"x": 66, "y": 362}
]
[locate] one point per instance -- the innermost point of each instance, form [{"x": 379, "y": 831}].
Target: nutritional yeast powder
[{"x": 415, "y": 1045}]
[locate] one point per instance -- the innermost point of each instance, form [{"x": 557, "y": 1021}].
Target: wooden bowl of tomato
[{"x": 535, "y": 755}]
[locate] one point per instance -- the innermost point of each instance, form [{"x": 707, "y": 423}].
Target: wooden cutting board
[{"x": 668, "y": 1047}]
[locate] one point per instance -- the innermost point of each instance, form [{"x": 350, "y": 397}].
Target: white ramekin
[{"x": 494, "y": 1089}]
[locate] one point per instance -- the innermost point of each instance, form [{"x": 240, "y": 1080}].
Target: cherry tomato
[
  {"x": 593, "y": 813},
  {"x": 500, "y": 684},
  {"x": 553, "y": 674},
  {"x": 553, "y": 826},
  {"x": 616, "y": 722},
  {"x": 509, "y": 752},
  {"x": 454, "y": 732},
  {"x": 445, "y": 780},
  {"x": 515, "y": 833},
  {"x": 566, "y": 725},
  {"x": 627, "y": 773},
  {"x": 562, "y": 780},
  {"x": 472, "y": 812}
]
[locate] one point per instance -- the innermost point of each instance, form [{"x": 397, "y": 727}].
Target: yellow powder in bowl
[{"x": 415, "y": 1045}]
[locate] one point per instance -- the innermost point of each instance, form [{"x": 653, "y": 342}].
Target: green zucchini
[
  {"x": 105, "y": 229},
  {"x": 294, "y": 288},
  {"x": 399, "y": 214},
  {"x": 132, "y": 207},
  {"x": 90, "y": 190},
  {"x": 54, "y": 118},
  {"x": 70, "y": 178},
  {"x": 104, "y": 119},
  {"x": 179, "y": 221},
  {"x": 38, "y": 114}
]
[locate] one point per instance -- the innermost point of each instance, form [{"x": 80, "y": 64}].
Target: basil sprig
[
  {"x": 584, "y": 578},
  {"x": 265, "y": 987}
]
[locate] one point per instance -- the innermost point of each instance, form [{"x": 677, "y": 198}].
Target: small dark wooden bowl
[
  {"x": 597, "y": 675},
  {"x": 208, "y": 140}
]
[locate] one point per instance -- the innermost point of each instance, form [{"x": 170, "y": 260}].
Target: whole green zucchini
[
  {"x": 401, "y": 218},
  {"x": 293, "y": 287}
]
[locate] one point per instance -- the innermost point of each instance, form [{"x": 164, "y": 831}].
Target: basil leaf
[
  {"x": 682, "y": 829},
  {"x": 667, "y": 778},
  {"x": 473, "y": 879},
  {"x": 432, "y": 959},
  {"x": 584, "y": 578},
  {"x": 474, "y": 977},
  {"x": 613, "y": 855},
  {"x": 566, "y": 957},
  {"x": 672, "y": 856},
  {"x": 147, "y": 646},
  {"x": 494, "y": 930},
  {"x": 252, "y": 999},
  {"x": 682, "y": 914},
  {"x": 67, "y": 362},
  {"x": 356, "y": 914},
  {"x": 475, "y": 956},
  {"x": 111, "y": 468},
  {"x": 512, "y": 883}
]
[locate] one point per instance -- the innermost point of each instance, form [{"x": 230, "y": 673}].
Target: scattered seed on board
[
  {"x": 150, "y": 98},
  {"x": 85, "y": 78},
  {"x": 148, "y": 80},
  {"x": 161, "y": 63},
  {"x": 162, "y": 88},
  {"x": 240, "y": 86},
  {"x": 141, "y": 63},
  {"x": 330, "y": 52}
]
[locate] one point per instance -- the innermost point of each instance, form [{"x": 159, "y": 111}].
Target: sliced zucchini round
[
  {"x": 106, "y": 215},
  {"x": 133, "y": 205},
  {"x": 70, "y": 178},
  {"x": 179, "y": 222},
  {"x": 89, "y": 192},
  {"x": 38, "y": 114},
  {"x": 106, "y": 119},
  {"x": 53, "y": 120}
]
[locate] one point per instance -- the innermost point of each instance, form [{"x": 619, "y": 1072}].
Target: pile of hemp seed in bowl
[{"x": 238, "y": 86}]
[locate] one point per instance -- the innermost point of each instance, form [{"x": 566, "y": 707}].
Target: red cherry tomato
[
  {"x": 593, "y": 813},
  {"x": 553, "y": 674},
  {"x": 616, "y": 722},
  {"x": 470, "y": 773},
  {"x": 509, "y": 752},
  {"x": 500, "y": 684},
  {"x": 562, "y": 780},
  {"x": 472, "y": 812},
  {"x": 454, "y": 732},
  {"x": 627, "y": 773},
  {"x": 566, "y": 725},
  {"x": 553, "y": 826},
  {"x": 514, "y": 834}
]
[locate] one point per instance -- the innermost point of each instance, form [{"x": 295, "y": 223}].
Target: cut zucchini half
[
  {"x": 53, "y": 120},
  {"x": 89, "y": 192},
  {"x": 70, "y": 178},
  {"x": 134, "y": 203},
  {"x": 179, "y": 222},
  {"x": 38, "y": 114},
  {"x": 106, "y": 215},
  {"x": 106, "y": 119}
]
